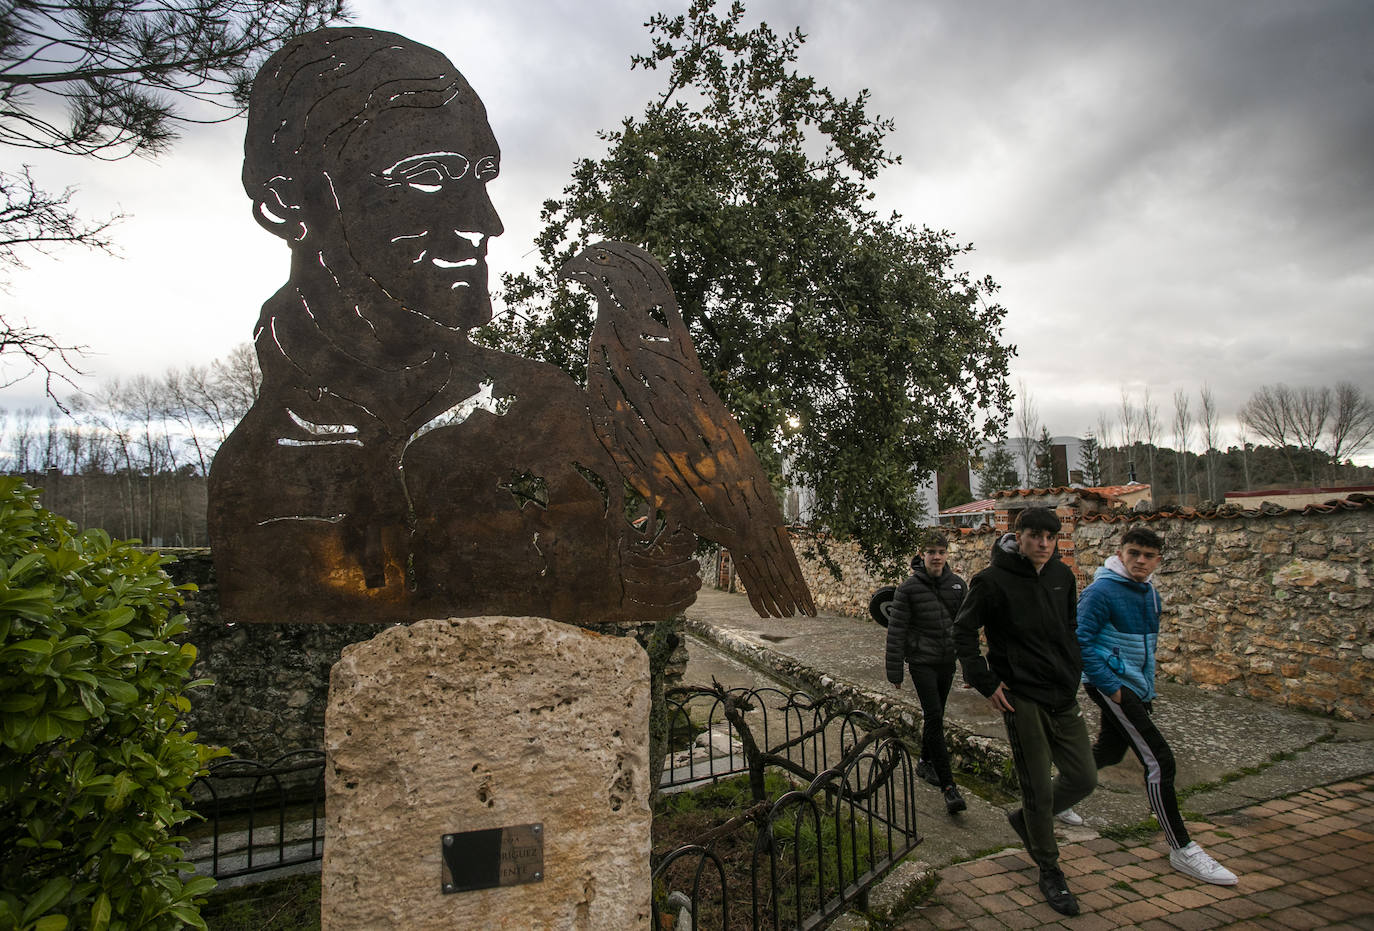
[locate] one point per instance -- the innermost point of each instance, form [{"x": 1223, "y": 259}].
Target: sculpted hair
[
  {"x": 1140, "y": 536},
  {"x": 319, "y": 89}
]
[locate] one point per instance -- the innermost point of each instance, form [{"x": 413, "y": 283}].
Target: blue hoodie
[{"x": 1118, "y": 628}]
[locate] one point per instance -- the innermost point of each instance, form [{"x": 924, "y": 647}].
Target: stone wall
[
  {"x": 849, "y": 594},
  {"x": 1272, "y": 605},
  {"x": 271, "y": 681}
]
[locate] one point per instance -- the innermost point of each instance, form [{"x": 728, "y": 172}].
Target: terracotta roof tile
[
  {"x": 1100, "y": 493},
  {"x": 973, "y": 507},
  {"x": 1354, "y": 502}
]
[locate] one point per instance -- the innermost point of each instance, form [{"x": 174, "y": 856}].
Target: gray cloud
[{"x": 1170, "y": 192}]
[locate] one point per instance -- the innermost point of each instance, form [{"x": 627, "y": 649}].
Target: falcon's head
[{"x": 620, "y": 274}]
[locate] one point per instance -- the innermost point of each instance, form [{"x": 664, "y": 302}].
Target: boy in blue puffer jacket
[{"x": 1118, "y": 627}]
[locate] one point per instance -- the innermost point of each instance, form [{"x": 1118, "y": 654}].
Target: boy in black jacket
[
  {"x": 1025, "y": 602},
  {"x": 920, "y": 632}
]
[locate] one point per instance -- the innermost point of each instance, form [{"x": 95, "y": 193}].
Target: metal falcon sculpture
[{"x": 669, "y": 433}]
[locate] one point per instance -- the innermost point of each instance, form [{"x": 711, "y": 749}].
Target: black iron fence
[
  {"x": 259, "y": 816},
  {"x": 838, "y": 814},
  {"x": 796, "y": 860}
]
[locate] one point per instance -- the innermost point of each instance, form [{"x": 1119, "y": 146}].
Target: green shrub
[{"x": 94, "y": 767}]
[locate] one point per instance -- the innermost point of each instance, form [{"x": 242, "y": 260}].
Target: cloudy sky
[{"x": 1170, "y": 194}]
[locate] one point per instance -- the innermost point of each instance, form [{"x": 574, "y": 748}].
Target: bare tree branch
[
  {"x": 37, "y": 352},
  {"x": 1149, "y": 420},
  {"x": 34, "y": 219},
  {"x": 1028, "y": 425},
  {"x": 1309, "y": 416}
]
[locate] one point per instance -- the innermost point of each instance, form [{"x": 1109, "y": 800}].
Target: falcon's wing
[{"x": 671, "y": 434}]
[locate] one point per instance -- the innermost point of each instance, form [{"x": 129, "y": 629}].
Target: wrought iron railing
[
  {"x": 815, "y": 850},
  {"x": 259, "y": 816},
  {"x": 788, "y": 723}
]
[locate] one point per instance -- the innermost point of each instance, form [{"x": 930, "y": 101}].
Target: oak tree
[{"x": 852, "y": 347}]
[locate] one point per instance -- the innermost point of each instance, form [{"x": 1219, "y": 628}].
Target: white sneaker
[
  {"x": 1193, "y": 861},
  {"x": 1070, "y": 817}
]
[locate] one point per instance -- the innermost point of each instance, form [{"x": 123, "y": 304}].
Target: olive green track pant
[{"x": 1041, "y": 736}]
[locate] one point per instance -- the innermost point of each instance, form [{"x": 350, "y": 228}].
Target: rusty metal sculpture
[
  {"x": 392, "y": 469},
  {"x": 668, "y": 431}
]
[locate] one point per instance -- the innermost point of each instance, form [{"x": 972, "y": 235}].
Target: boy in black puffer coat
[{"x": 920, "y": 633}]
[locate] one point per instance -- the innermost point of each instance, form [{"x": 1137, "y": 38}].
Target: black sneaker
[
  {"x": 1056, "y": 891},
  {"x": 927, "y": 772},
  {"x": 1017, "y": 820},
  {"x": 954, "y": 802}
]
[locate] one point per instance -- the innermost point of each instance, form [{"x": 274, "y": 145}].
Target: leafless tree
[
  {"x": 1105, "y": 442},
  {"x": 52, "y": 444},
  {"x": 1207, "y": 418},
  {"x": 207, "y": 401},
  {"x": 1130, "y": 423},
  {"x": 237, "y": 380},
  {"x": 1243, "y": 437},
  {"x": 1149, "y": 420},
  {"x": 21, "y": 440},
  {"x": 185, "y": 398},
  {"x": 1028, "y": 425},
  {"x": 102, "y": 410},
  {"x": 1352, "y": 423},
  {"x": 1183, "y": 438},
  {"x": 1269, "y": 413},
  {"x": 1310, "y": 414}
]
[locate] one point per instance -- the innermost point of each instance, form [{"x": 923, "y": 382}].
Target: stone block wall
[
  {"x": 849, "y": 594},
  {"x": 271, "y": 681},
  {"x": 1271, "y": 607}
]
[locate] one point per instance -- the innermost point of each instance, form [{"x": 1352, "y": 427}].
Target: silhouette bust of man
[{"x": 392, "y": 469}]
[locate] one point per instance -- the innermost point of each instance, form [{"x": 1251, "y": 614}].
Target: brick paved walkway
[{"x": 1304, "y": 861}]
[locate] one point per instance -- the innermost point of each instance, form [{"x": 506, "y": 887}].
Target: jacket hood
[{"x": 1007, "y": 555}]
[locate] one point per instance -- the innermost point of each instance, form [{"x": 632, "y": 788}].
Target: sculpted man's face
[{"x": 413, "y": 207}]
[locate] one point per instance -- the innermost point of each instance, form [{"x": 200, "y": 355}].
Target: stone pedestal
[{"x": 453, "y": 726}]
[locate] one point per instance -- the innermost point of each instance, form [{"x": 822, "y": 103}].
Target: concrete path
[{"x": 1248, "y": 772}]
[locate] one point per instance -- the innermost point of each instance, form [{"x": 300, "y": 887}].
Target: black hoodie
[{"x": 1030, "y": 620}]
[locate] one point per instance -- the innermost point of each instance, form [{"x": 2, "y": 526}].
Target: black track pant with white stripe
[{"x": 1129, "y": 725}]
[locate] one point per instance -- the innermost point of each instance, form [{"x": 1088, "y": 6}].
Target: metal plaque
[{"x": 509, "y": 856}]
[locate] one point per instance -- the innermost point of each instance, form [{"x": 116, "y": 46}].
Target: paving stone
[
  {"x": 1191, "y": 920},
  {"x": 1299, "y": 918}
]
